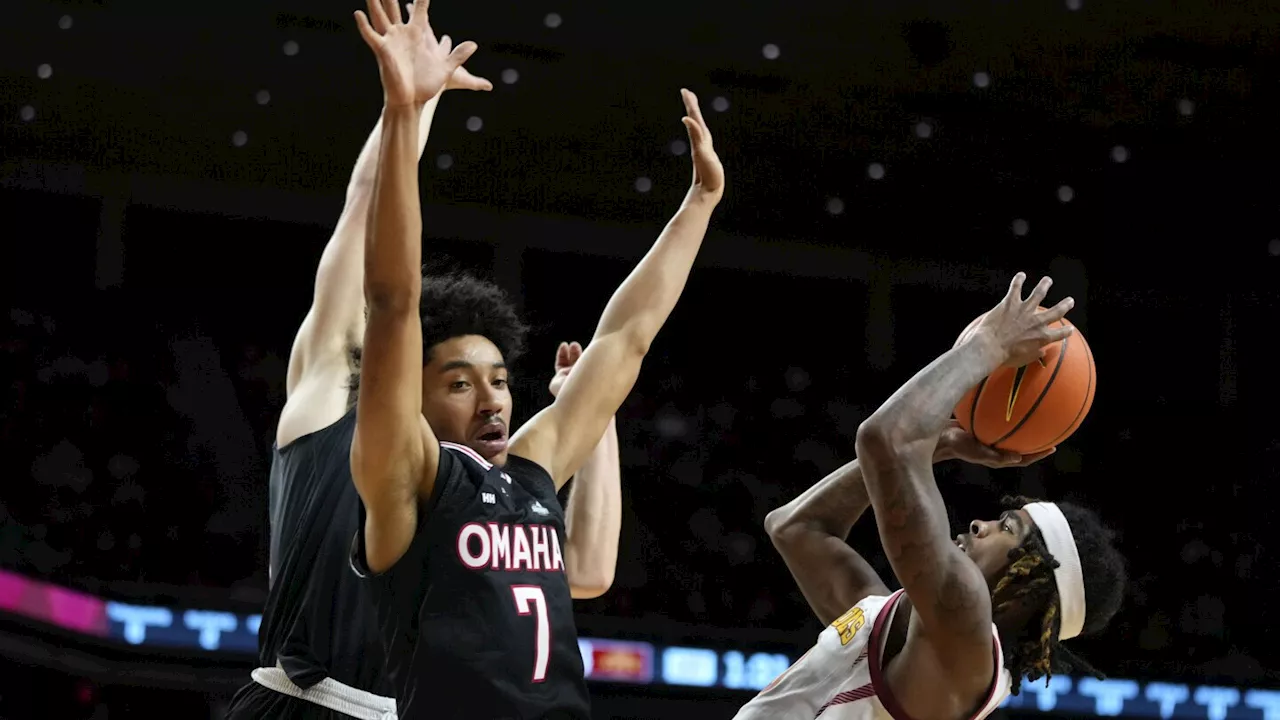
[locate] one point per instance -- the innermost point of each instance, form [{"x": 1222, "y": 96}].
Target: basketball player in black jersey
[
  {"x": 462, "y": 534},
  {"x": 318, "y": 641}
]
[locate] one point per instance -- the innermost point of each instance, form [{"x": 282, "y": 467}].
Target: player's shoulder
[{"x": 528, "y": 469}]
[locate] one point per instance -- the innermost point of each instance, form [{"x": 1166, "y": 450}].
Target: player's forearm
[
  {"x": 366, "y": 170},
  {"x": 340, "y": 276},
  {"x": 832, "y": 505},
  {"x": 393, "y": 245},
  {"x": 646, "y": 298},
  {"x": 916, "y": 414},
  {"x": 593, "y": 520}
]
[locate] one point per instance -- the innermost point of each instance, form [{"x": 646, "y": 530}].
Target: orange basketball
[{"x": 1033, "y": 408}]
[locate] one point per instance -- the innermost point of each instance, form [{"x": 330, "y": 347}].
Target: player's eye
[
  {"x": 500, "y": 382},
  {"x": 459, "y": 385}
]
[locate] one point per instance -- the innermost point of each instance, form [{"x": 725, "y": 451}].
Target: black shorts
[{"x": 256, "y": 702}]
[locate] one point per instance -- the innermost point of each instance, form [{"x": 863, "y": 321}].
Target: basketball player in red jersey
[{"x": 977, "y": 612}]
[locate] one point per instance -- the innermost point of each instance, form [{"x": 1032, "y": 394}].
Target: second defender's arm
[
  {"x": 810, "y": 534},
  {"x": 593, "y": 520},
  {"x": 319, "y": 363},
  {"x": 335, "y": 321},
  {"x": 562, "y": 436}
]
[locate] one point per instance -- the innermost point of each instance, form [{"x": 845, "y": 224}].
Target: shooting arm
[
  {"x": 562, "y": 436},
  {"x": 896, "y": 447},
  {"x": 394, "y": 455},
  {"x": 810, "y": 533},
  {"x": 335, "y": 322},
  {"x": 593, "y": 520}
]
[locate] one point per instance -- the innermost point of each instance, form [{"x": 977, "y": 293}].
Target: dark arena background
[{"x": 170, "y": 174}]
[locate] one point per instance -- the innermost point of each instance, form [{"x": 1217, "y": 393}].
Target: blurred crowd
[{"x": 133, "y": 463}]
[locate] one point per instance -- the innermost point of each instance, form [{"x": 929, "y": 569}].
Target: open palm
[{"x": 414, "y": 66}]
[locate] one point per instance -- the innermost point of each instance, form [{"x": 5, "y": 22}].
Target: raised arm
[
  {"x": 810, "y": 534},
  {"x": 896, "y": 447},
  {"x": 320, "y": 361},
  {"x": 562, "y": 436},
  {"x": 593, "y": 517},
  {"x": 394, "y": 455}
]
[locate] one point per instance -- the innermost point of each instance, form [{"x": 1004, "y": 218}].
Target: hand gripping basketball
[
  {"x": 1043, "y": 389},
  {"x": 1021, "y": 327}
]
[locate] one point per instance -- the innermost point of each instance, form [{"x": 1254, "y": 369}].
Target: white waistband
[{"x": 331, "y": 694}]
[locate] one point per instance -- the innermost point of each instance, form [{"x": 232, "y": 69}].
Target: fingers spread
[
  {"x": 1059, "y": 311},
  {"x": 1015, "y": 286},
  {"x": 461, "y": 53},
  {"x": 371, "y": 36},
  {"x": 1059, "y": 333},
  {"x": 392, "y": 9},
  {"x": 1040, "y": 290},
  {"x": 377, "y": 15}
]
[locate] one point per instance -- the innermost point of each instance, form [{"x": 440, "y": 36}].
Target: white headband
[{"x": 1069, "y": 575}]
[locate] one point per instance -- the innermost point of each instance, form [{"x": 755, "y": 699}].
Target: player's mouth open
[{"x": 492, "y": 440}]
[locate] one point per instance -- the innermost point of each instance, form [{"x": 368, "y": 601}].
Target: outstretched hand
[
  {"x": 708, "y": 173},
  {"x": 462, "y": 79},
  {"x": 567, "y": 355},
  {"x": 414, "y": 66},
  {"x": 956, "y": 444},
  {"x": 1021, "y": 327}
]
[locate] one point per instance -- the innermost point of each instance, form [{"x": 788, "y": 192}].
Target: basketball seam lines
[
  {"x": 973, "y": 410},
  {"x": 1075, "y": 423},
  {"x": 1062, "y": 356}
]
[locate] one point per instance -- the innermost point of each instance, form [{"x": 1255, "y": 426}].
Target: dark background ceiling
[
  {"x": 595, "y": 107},
  {"x": 1176, "y": 245}
]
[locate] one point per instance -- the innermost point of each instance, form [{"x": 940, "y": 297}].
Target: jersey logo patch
[
  {"x": 848, "y": 624},
  {"x": 537, "y": 508},
  {"x": 488, "y": 498}
]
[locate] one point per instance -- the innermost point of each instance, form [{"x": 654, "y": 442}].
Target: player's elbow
[
  {"x": 880, "y": 441},
  {"x": 777, "y": 522},
  {"x": 787, "y": 529},
  {"x": 588, "y": 586},
  {"x": 392, "y": 296}
]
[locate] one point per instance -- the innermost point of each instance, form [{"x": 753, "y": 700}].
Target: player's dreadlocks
[{"x": 1029, "y": 583}]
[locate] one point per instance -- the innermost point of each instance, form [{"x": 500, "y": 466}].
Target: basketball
[{"x": 1029, "y": 409}]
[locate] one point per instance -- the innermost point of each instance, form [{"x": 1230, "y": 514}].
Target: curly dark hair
[
  {"x": 458, "y": 303},
  {"x": 1029, "y": 581}
]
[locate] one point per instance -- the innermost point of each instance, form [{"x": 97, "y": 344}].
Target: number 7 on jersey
[{"x": 530, "y": 600}]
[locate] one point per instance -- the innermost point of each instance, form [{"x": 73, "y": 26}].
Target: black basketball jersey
[
  {"x": 319, "y": 620},
  {"x": 476, "y": 616}
]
